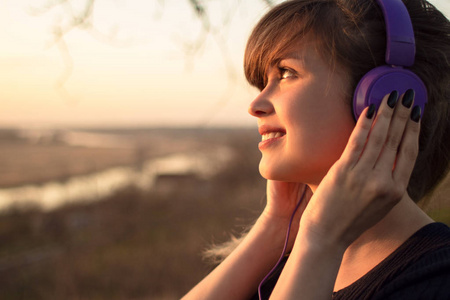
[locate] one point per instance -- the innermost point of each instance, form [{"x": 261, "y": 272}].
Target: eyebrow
[
  {"x": 292, "y": 55},
  {"x": 289, "y": 55}
]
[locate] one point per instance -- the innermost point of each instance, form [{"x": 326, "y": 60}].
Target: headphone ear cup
[{"x": 381, "y": 81}]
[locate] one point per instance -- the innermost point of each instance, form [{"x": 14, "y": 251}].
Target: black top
[{"x": 418, "y": 269}]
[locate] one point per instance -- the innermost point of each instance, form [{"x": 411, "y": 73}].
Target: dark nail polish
[
  {"x": 416, "y": 113},
  {"x": 408, "y": 98},
  {"x": 392, "y": 100},
  {"x": 370, "y": 111}
]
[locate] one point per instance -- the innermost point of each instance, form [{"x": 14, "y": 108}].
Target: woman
[{"x": 357, "y": 233}]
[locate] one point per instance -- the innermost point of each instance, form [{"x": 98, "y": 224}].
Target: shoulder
[
  {"x": 418, "y": 269},
  {"x": 428, "y": 276}
]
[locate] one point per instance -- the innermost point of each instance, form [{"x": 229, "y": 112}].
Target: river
[{"x": 96, "y": 186}]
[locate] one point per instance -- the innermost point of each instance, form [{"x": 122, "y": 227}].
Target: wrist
[
  {"x": 274, "y": 218},
  {"x": 321, "y": 242},
  {"x": 276, "y": 228}
]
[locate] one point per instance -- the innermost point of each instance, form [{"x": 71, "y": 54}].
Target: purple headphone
[{"x": 400, "y": 52}]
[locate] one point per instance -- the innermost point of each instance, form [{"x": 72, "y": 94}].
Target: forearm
[
  {"x": 238, "y": 276},
  {"x": 310, "y": 272}
]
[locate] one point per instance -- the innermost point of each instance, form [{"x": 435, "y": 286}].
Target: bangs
[
  {"x": 279, "y": 31},
  {"x": 267, "y": 43}
]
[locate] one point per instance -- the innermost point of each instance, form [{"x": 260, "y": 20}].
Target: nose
[{"x": 261, "y": 106}]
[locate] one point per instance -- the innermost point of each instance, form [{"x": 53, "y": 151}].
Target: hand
[
  {"x": 282, "y": 198},
  {"x": 370, "y": 177}
]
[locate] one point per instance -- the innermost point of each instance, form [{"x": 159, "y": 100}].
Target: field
[
  {"x": 37, "y": 157},
  {"x": 135, "y": 244}
]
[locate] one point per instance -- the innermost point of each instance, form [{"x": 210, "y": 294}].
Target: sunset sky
[{"x": 131, "y": 69}]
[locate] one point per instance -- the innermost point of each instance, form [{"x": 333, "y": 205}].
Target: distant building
[{"x": 172, "y": 183}]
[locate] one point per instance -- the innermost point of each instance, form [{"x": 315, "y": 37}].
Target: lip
[{"x": 265, "y": 129}]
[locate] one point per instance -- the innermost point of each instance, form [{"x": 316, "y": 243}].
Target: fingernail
[
  {"x": 416, "y": 113},
  {"x": 408, "y": 98},
  {"x": 392, "y": 100},
  {"x": 370, "y": 111}
]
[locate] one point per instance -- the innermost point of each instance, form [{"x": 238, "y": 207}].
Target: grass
[{"x": 130, "y": 246}]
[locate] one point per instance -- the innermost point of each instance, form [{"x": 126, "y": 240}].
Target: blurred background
[{"x": 126, "y": 148}]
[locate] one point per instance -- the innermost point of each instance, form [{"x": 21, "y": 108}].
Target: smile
[{"x": 272, "y": 135}]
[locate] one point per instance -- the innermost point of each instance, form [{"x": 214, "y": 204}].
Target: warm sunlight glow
[{"x": 132, "y": 69}]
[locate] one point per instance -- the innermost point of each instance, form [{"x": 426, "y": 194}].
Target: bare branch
[
  {"x": 270, "y": 3},
  {"x": 36, "y": 11},
  {"x": 84, "y": 19}
]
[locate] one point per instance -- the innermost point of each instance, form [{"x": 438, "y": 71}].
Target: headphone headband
[{"x": 401, "y": 47}]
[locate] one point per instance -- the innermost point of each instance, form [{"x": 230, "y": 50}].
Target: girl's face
[{"x": 304, "y": 117}]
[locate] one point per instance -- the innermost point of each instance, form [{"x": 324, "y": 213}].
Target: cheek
[
  {"x": 320, "y": 137},
  {"x": 309, "y": 157},
  {"x": 330, "y": 129}
]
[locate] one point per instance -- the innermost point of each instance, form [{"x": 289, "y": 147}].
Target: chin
[
  {"x": 291, "y": 173},
  {"x": 278, "y": 173}
]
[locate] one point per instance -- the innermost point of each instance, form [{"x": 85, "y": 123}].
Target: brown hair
[{"x": 351, "y": 34}]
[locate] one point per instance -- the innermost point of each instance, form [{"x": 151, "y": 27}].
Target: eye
[{"x": 286, "y": 73}]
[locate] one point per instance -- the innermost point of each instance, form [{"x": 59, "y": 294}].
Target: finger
[
  {"x": 408, "y": 150},
  {"x": 358, "y": 138},
  {"x": 397, "y": 127},
  {"x": 378, "y": 134}
]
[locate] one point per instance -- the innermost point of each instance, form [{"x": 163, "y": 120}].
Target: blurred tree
[{"x": 79, "y": 14}]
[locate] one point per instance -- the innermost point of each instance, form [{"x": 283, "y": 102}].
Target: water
[{"x": 96, "y": 186}]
